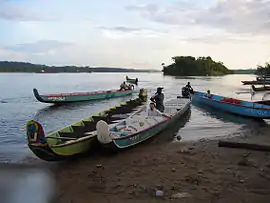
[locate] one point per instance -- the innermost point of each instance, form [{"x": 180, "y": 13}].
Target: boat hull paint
[
  {"x": 58, "y": 150},
  {"x": 126, "y": 142},
  {"x": 245, "y": 108},
  {"x": 80, "y": 97}
]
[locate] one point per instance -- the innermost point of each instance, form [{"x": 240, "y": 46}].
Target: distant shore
[{"x": 23, "y": 67}]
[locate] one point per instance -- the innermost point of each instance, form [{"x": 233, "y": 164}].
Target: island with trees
[
  {"x": 11, "y": 66},
  {"x": 191, "y": 66}
]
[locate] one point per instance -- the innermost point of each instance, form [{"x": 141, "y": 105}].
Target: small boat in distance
[
  {"x": 62, "y": 98},
  {"x": 257, "y": 109},
  {"x": 256, "y": 82},
  {"x": 132, "y": 81},
  {"x": 260, "y": 89},
  {"x": 77, "y": 138},
  {"x": 139, "y": 126},
  {"x": 263, "y": 78}
]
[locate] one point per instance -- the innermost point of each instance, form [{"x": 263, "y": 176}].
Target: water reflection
[
  {"x": 170, "y": 133},
  {"x": 227, "y": 117}
]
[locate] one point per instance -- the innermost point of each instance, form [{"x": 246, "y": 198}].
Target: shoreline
[{"x": 191, "y": 171}]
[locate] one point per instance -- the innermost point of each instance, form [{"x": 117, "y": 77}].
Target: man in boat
[
  {"x": 158, "y": 98},
  {"x": 209, "y": 95},
  {"x": 188, "y": 86},
  {"x": 123, "y": 86},
  {"x": 152, "y": 111}
]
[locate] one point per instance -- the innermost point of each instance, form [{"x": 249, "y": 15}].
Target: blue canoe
[{"x": 259, "y": 109}]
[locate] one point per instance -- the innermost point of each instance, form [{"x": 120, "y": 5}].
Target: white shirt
[{"x": 155, "y": 112}]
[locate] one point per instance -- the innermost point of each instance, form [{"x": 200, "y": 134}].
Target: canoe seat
[
  {"x": 64, "y": 134},
  {"x": 89, "y": 126}
]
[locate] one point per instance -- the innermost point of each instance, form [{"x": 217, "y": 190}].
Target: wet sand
[{"x": 185, "y": 172}]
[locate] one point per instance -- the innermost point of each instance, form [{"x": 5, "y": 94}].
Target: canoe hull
[
  {"x": 50, "y": 148},
  {"x": 244, "y": 108},
  {"x": 121, "y": 143},
  {"x": 80, "y": 97},
  {"x": 261, "y": 89},
  {"x": 256, "y": 82}
]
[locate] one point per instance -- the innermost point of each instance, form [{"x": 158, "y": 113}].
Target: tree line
[
  {"x": 11, "y": 66},
  {"x": 191, "y": 66},
  {"x": 263, "y": 70}
]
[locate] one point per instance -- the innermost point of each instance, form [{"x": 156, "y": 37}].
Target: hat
[{"x": 159, "y": 88}]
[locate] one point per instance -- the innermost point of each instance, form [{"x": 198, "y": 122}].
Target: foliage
[
  {"x": 263, "y": 70},
  {"x": 243, "y": 71},
  {"x": 10, "y": 66},
  {"x": 190, "y": 66}
]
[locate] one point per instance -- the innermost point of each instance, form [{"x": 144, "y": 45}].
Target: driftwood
[{"x": 242, "y": 145}]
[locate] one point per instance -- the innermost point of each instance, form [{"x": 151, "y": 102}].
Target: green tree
[{"x": 190, "y": 66}]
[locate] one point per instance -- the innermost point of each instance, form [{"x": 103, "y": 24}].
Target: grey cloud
[
  {"x": 120, "y": 28},
  {"x": 126, "y": 29},
  {"x": 239, "y": 16},
  {"x": 42, "y": 46},
  {"x": 14, "y": 12}
]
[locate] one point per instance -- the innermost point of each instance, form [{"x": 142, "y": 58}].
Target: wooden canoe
[
  {"x": 80, "y": 96},
  {"x": 132, "y": 81},
  {"x": 256, "y": 82},
  {"x": 257, "y": 110},
  {"x": 139, "y": 126},
  {"x": 260, "y": 89},
  {"x": 75, "y": 139}
]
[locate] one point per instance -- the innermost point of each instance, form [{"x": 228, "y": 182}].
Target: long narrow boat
[
  {"x": 81, "y": 96},
  {"x": 263, "y": 78},
  {"x": 257, "y": 109},
  {"x": 77, "y": 138},
  {"x": 139, "y": 126},
  {"x": 131, "y": 80},
  {"x": 260, "y": 89},
  {"x": 256, "y": 82}
]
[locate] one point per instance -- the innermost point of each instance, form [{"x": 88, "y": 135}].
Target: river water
[{"x": 18, "y": 105}]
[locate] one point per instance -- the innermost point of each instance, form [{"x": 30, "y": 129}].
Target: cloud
[
  {"x": 13, "y": 11},
  {"x": 238, "y": 16},
  {"x": 119, "y": 32},
  {"x": 39, "y": 47}
]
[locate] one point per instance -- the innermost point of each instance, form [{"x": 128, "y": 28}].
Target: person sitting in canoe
[
  {"x": 123, "y": 86},
  {"x": 209, "y": 95},
  {"x": 158, "y": 98},
  {"x": 130, "y": 87},
  {"x": 188, "y": 86},
  {"x": 152, "y": 111}
]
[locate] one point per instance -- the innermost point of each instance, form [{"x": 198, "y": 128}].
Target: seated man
[
  {"x": 188, "y": 86},
  {"x": 152, "y": 111},
  {"x": 123, "y": 86},
  {"x": 209, "y": 95}
]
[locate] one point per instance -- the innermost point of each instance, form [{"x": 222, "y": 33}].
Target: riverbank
[{"x": 184, "y": 172}]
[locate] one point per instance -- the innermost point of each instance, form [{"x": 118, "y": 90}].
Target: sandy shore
[{"x": 184, "y": 172}]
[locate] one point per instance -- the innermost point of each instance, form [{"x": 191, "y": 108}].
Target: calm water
[{"x": 18, "y": 105}]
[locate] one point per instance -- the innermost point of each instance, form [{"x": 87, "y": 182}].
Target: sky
[{"x": 135, "y": 33}]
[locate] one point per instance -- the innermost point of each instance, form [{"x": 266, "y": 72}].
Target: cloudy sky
[{"x": 134, "y": 33}]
